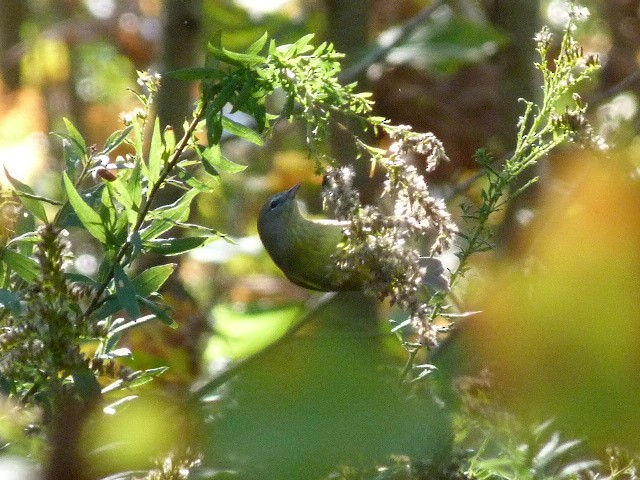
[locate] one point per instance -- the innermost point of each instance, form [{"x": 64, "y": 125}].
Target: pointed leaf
[
  {"x": 176, "y": 246},
  {"x": 126, "y": 292},
  {"x": 155, "y": 153},
  {"x": 213, "y": 156},
  {"x": 116, "y": 139},
  {"x": 152, "y": 279},
  {"x": 75, "y": 136},
  {"x": 89, "y": 217},
  {"x": 241, "y": 131},
  {"x": 27, "y": 268},
  {"x": 161, "y": 311},
  {"x": 167, "y": 216},
  {"x": 133, "y": 323},
  {"x": 110, "y": 306},
  {"x": 257, "y": 46},
  {"x": 147, "y": 376},
  {"x": 34, "y": 206},
  {"x": 205, "y": 184}
]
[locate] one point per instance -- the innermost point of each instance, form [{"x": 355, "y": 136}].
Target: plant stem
[{"x": 124, "y": 249}]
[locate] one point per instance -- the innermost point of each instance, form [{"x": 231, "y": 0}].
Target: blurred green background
[{"x": 562, "y": 343}]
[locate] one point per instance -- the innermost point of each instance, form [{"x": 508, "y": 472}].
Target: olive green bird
[
  {"x": 305, "y": 249},
  {"x": 302, "y": 248}
]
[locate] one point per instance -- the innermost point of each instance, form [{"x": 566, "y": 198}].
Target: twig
[
  {"x": 180, "y": 147},
  {"x": 352, "y": 73},
  {"x": 623, "y": 84},
  {"x": 313, "y": 305}
]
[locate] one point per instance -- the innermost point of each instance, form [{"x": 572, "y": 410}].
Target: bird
[
  {"x": 302, "y": 248},
  {"x": 305, "y": 249}
]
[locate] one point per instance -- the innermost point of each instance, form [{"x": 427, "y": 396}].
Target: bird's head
[{"x": 277, "y": 215}]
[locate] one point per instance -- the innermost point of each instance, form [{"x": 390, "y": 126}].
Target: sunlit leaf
[
  {"x": 241, "y": 131},
  {"x": 27, "y": 268},
  {"x": 167, "y": 216},
  {"x": 205, "y": 184},
  {"x": 89, "y": 217},
  {"x": 213, "y": 157},
  {"x": 147, "y": 375},
  {"x": 155, "y": 153},
  {"x": 152, "y": 279},
  {"x": 116, "y": 139},
  {"x": 133, "y": 323},
  {"x": 176, "y": 246},
  {"x": 34, "y": 206},
  {"x": 257, "y": 46},
  {"x": 75, "y": 136}
]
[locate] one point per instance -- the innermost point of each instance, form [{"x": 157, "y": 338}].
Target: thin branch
[
  {"x": 180, "y": 147},
  {"x": 313, "y": 305},
  {"x": 354, "y": 72},
  {"x": 601, "y": 97}
]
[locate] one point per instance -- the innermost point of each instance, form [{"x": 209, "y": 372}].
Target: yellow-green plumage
[{"x": 303, "y": 249}]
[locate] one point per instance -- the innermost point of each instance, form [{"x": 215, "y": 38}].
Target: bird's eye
[{"x": 273, "y": 204}]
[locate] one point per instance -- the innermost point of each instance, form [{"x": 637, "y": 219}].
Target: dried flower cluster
[
  {"x": 176, "y": 466},
  {"x": 40, "y": 334},
  {"x": 386, "y": 248}
]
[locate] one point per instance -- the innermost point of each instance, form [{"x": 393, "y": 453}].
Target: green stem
[{"x": 125, "y": 248}]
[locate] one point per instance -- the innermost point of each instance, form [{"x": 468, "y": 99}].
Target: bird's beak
[{"x": 291, "y": 193}]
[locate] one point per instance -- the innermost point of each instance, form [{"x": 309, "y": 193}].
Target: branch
[
  {"x": 384, "y": 45},
  {"x": 311, "y": 312}
]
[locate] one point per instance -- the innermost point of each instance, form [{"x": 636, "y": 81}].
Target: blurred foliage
[
  {"x": 561, "y": 336},
  {"x": 558, "y": 323}
]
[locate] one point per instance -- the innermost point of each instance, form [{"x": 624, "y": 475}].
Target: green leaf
[
  {"x": 10, "y": 300},
  {"x": 147, "y": 376},
  {"x": 201, "y": 184},
  {"x": 120, "y": 192},
  {"x": 161, "y": 311},
  {"x": 167, "y": 216},
  {"x": 155, "y": 153},
  {"x": 197, "y": 73},
  {"x": 34, "y": 206},
  {"x": 74, "y": 135},
  {"x": 131, "y": 324},
  {"x": 213, "y": 118},
  {"x": 241, "y": 131},
  {"x": 115, "y": 140},
  {"x": 302, "y": 43},
  {"x": 89, "y": 217},
  {"x": 176, "y": 246},
  {"x": 126, "y": 292},
  {"x": 169, "y": 139},
  {"x": 86, "y": 384},
  {"x": 27, "y": 268},
  {"x": 152, "y": 279},
  {"x": 213, "y": 156},
  {"x": 80, "y": 278},
  {"x": 135, "y": 185},
  {"x": 72, "y": 154},
  {"x": 26, "y": 237},
  {"x": 257, "y": 46},
  {"x": 136, "y": 245}
]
